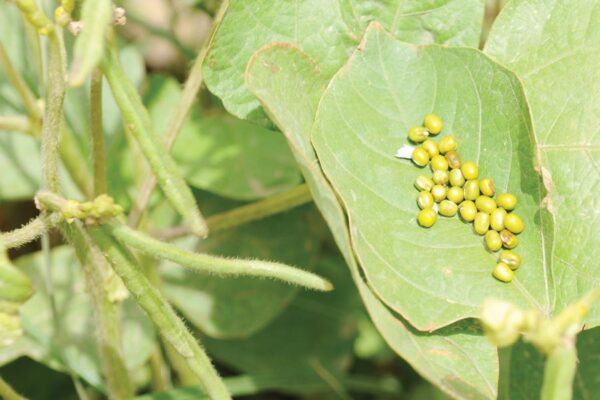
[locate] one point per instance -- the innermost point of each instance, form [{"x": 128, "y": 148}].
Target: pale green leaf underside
[
  {"x": 463, "y": 363},
  {"x": 431, "y": 276},
  {"x": 554, "y": 47},
  {"x": 328, "y": 31}
]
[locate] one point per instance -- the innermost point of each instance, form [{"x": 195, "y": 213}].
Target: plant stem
[
  {"x": 53, "y": 115},
  {"x": 170, "y": 326},
  {"x": 29, "y": 100},
  {"x": 98, "y": 158},
  {"x": 190, "y": 90},
  {"x": 7, "y": 392},
  {"x": 220, "y": 266},
  {"x": 16, "y": 123},
  {"x": 559, "y": 372},
  {"x": 107, "y": 323},
  {"x": 252, "y": 212},
  {"x": 28, "y": 232}
]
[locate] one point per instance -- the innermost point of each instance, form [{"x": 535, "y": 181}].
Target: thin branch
[
  {"x": 15, "y": 123},
  {"x": 7, "y": 392},
  {"x": 97, "y": 134},
  {"x": 28, "y": 232},
  {"x": 245, "y": 214},
  {"x": 190, "y": 90}
]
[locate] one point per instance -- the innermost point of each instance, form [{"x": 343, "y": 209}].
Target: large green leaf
[
  {"x": 327, "y": 30},
  {"x": 459, "y": 360},
  {"x": 554, "y": 47},
  {"x": 313, "y": 337},
  {"x": 222, "y": 154},
  {"x": 238, "y": 307},
  {"x": 431, "y": 276},
  {"x": 74, "y": 346}
]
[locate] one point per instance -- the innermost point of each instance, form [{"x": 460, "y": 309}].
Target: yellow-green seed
[
  {"x": 438, "y": 192},
  {"x": 447, "y": 144},
  {"x": 467, "y": 210},
  {"x": 453, "y": 159},
  {"x": 485, "y": 204},
  {"x": 470, "y": 170},
  {"x": 455, "y": 194},
  {"x": 420, "y": 156},
  {"x": 440, "y": 177},
  {"x": 509, "y": 240},
  {"x": 425, "y": 200},
  {"x": 497, "y": 219},
  {"x": 457, "y": 178},
  {"x": 513, "y": 223},
  {"x": 493, "y": 241},
  {"x": 439, "y": 163},
  {"x": 482, "y": 223},
  {"x": 503, "y": 273},
  {"x": 427, "y": 217},
  {"x": 418, "y": 134},
  {"x": 424, "y": 183},
  {"x": 448, "y": 208},
  {"x": 471, "y": 189},
  {"x": 510, "y": 258},
  {"x": 486, "y": 186},
  {"x": 431, "y": 147},
  {"x": 433, "y": 123},
  {"x": 507, "y": 201}
]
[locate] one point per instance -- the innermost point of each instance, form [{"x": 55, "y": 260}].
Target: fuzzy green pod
[
  {"x": 420, "y": 156},
  {"x": 433, "y": 123},
  {"x": 456, "y": 178},
  {"x": 482, "y": 223}
]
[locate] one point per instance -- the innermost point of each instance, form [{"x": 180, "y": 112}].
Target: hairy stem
[
  {"x": 220, "y": 266},
  {"x": 7, "y": 392},
  {"x": 53, "y": 114},
  {"x": 107, "y": 323},
  {"x": 29, "y": 100},
  {"x": 252, "y": 212},
  {"x": 97, "y": 134},
  {"x": 170, "y": 326},
  {"x": 190, "y": 90},
  {"x": 28, "y": 232}
]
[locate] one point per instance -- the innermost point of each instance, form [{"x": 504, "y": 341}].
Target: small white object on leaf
[{"x": 405, "y": 152}]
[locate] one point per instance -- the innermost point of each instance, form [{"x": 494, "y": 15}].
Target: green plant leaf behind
[
  {"x": 308, "y": 356},
  {"x": 459, "y": 360},
  {"x": 554, "y": 47},
  {"x": 435, "y": 276},
  {"x": 327, "y": 30},
  {"x": 74, "y": 346},
  {"x": 523, "y": 369},
  {"x": 238, "y": 307},
  {"x": 222, "y": 154}
]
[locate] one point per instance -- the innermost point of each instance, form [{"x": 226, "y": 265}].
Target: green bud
[{"x": 502, "y": 322}]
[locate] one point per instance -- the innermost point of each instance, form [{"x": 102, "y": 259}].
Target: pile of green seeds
[{"x": 454, "y": 188}]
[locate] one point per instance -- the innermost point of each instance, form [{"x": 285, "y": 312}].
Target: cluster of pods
[{"x": 454, "y": 188}]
